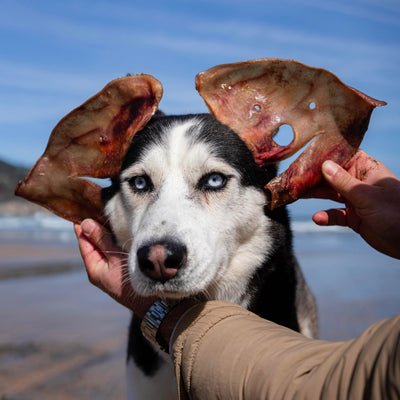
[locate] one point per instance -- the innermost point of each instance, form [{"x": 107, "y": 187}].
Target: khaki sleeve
[{"x": 222, "y": 351}]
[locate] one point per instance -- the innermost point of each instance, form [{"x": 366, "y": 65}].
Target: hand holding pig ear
[
  {"x": 107, "y": 266},
  {"x": 371, "y": 194}
]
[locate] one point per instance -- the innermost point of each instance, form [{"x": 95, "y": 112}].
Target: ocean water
[
  {"x": 49, "y": 228},
  {"x": 37, "y": 227},
  {"x": 353, "y": 284}
]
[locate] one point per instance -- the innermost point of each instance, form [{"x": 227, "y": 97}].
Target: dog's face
[{"x": 189, "y": 208}]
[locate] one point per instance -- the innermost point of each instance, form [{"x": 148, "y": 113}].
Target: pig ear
[
  {"x": 90, "y": 141},
  {"x": 255, "y": 98}
]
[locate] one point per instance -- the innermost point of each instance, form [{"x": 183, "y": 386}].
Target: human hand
[
  {"x": 107, "y": 266},
  {"x": 371, "y": 194}
]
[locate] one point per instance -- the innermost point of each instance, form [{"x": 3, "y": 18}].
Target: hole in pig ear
[{"x": 284, "y": 135}]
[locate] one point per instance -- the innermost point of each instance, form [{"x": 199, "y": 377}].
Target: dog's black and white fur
[{"x": 190, "y": 210}]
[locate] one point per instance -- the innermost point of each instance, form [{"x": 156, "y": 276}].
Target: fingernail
[
  {"x": 330, "y": 168},
  {"x": 87, "y": 226}
]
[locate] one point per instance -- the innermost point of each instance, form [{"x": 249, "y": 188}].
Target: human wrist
[
  {"x": 161, "y": 319},
  {"x": 138, "y": 304}
]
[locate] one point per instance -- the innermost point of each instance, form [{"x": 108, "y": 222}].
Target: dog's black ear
[
  {"x": 159, "y": 113},
  {"x": 108, "y": 192}
]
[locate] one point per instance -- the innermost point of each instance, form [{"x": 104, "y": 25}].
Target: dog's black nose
[{"x": 162, "y": 260}]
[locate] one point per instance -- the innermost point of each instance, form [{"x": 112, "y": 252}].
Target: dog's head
[{"x": 188, "y": 206}]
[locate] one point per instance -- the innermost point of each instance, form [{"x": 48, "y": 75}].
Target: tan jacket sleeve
[{"x": 222, "y": 351}]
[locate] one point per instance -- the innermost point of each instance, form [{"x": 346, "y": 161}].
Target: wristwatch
[{"x": 152, "y": 321}]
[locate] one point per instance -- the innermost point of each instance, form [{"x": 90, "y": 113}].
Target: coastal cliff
[{"x": 10, "y": 204}]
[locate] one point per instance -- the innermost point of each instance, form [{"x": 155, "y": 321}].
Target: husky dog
[{"x": 189, "y": 207}]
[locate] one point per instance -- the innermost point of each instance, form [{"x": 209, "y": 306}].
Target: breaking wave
[
  {"x": 38, "y": 226},
  {"x": 51, "y": 228}
]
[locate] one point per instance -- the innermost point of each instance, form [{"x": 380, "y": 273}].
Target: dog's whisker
[
  {"x": 125, "y": 253},
  {"x": 106, "y": 224},
  {"x": 118, "y": 266},
  {"x": 127, "y": 243},
  {"x": 126, "y": 281}
]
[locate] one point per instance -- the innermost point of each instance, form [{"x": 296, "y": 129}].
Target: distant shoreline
[
  {"x": 20, "y": 207},
  {"x": 27, "y": 271}
]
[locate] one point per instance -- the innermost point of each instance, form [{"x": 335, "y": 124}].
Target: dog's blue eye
[
  {"x": 212, "y": 181},
  {"x": 216, "y": 181},
  {"x": 141, "y": 183}
]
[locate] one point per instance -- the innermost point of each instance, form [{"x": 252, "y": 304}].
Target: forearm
[{"x": 222, "y": 351}]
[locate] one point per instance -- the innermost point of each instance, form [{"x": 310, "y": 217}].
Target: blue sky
[{"x": 54, "y": 55}]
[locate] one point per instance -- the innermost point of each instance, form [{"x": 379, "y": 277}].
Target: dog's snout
[{"x": 162, "y": 260}]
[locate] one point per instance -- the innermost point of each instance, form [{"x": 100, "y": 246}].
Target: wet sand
[
  {"x": 61, "y": 338},
  {"x": 354, "y": 285}
]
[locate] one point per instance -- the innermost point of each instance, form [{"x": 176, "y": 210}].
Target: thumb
[{"x": 349, "y": 187}]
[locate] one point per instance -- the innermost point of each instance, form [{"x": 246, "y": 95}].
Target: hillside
[
  {"x": 9, "y": 203},
  {"x": 9, "y": 177}
]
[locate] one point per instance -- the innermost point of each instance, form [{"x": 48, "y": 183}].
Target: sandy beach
[{"x": 61, "y": 338}]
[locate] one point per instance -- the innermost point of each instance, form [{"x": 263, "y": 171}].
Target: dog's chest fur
[{"x": 190, "y": 210}]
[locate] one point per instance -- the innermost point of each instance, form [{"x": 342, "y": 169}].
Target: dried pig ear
[
  {"x": 91, "y": 141},
  {"x": 255, "y": 98}
]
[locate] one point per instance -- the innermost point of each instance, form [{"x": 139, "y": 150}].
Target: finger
[
  {"x": 346, "y": 185},
  {"x": 86, "y": 247},
  {"x": 101, "y": 266},
  {"x": 325, "y": 192},
  {"x": 102, "y": 239},
  {"x": 94, "y": 261},
  {"x": 331, "y": 217},
  {"x": 367, "y": 169},
  {"x": 97, "y": 234}
]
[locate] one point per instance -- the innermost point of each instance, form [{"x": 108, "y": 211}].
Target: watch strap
[{"x": 152, "y": 321}]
